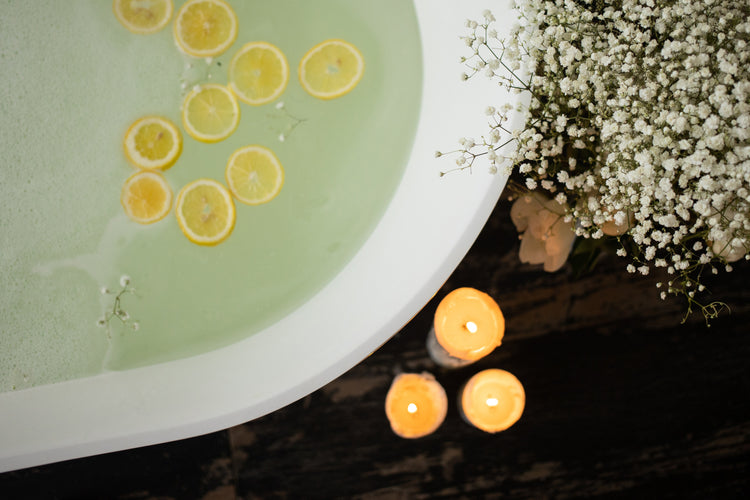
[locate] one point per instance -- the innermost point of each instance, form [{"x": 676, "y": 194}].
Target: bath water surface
[{"x": 72, "y": 81}]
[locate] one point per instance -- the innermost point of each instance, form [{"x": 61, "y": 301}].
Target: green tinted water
[{"x": 72, "y": 81}]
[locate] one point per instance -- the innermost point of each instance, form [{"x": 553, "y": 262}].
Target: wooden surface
[{"x": 622, "y": 402}]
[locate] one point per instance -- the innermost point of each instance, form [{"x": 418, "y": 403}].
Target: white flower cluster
[
  {"x": 639, "y": 121},
  {"x": 116, "y": 311}
]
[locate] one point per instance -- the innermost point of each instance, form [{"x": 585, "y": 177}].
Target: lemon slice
[
  {"x": 146, "y": 197},
  {"x": 205, "y": 28},
  {"x": 331, "y": 69},
  {"x": 210, "y": 113},
  {"x": 143, "y": 16},
  {"x": 152, "y": 142},
  {"x": 254, "y": 175},
  {"x": 205, "y": 212},
  {"x": 258, "y": 73}
]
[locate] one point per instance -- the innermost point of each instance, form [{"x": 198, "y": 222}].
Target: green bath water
[{"x": 73, "y": 80}]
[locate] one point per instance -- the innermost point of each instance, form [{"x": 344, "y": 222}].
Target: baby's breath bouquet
[{"x": 637, "y": 130}]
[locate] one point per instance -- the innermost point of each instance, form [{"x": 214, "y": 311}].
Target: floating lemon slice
[
  {"x": 205, "y": 212},
  {"x": 210, "y": 113},
  {"x": 331, "y": 69},
  {"x": 146, "y": 197},
  {"x": 258, "y": 73},
  {"x": 143, "y": 16},
  {"x": 152, "y": 142},
  {"x": 205, "y": 28},
  {"x": 254, "y": 175}
]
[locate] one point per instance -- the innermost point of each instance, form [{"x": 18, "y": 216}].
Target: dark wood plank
[
  {"x": 622, "y": 400},
  {"x": 199, "y": 467}
]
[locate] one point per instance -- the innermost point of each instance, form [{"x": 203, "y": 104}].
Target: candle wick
[
  {"x": 492, "y": 402},
  {"x": 412, "y": 408},
  {"x": 471, "y": 326}
]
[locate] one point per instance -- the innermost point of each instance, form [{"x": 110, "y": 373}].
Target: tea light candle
[
  {"x": 468, "y": 326},
  {"x": 492, "y": 400},
  {"x": 416, "y": 405}
]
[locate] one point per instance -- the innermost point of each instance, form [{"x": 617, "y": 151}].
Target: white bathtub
[{"x": 426, "y": 230}]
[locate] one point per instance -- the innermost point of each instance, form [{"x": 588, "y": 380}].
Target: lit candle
[
  {"x": 492, "y": 400},
  {"x": 416, "y": 405},
  {"x": 468, "y": 326}
]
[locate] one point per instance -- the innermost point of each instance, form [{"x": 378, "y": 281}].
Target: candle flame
[
  {"x": 492, "y": 402},
  {"x": 412, "y": 408},
  {"x": 472, "y": 327}
]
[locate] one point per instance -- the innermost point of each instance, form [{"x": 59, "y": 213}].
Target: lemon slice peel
[
  {"x": 205, "y": 28},
  {"x": 152, "y": 143},
  {"x": 210, "y": 113},
  {"x": 254, "y": 175},
  {"x": 205, "y": 212},
  {"x": 258, "y": 73},
  {"x": 143, "y": 18},
  {"x": 146, "y": 197},
  {"x": 331, "y": 69}
]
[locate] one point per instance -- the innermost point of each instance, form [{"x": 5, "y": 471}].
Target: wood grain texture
[{"x": 622, "y": 402}]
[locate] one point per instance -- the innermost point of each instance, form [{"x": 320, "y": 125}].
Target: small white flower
[
  {"x": 466, "y": 143},
  {"x": 125, "y": 280},
  {"x": 715, "y": 142}
]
